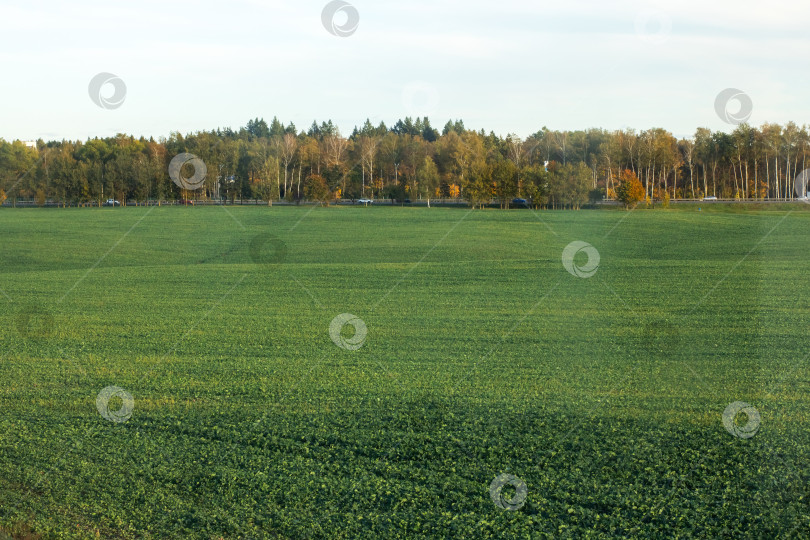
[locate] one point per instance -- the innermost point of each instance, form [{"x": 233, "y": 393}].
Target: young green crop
[{"x": 481, "y": 356}]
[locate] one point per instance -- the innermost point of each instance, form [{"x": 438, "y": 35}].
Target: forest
[{"x": 412, "y": 160}]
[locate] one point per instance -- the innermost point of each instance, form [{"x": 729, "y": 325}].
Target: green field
[{"x": 483, "y": 356}]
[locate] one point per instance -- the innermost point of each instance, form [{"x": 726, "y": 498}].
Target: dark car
[
  {"x": 519, "y": 201},
  {"x": 187, "y": 202}
]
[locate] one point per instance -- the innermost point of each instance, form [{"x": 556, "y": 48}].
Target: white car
[
  {"x": 365, "y": 201},
  {"x": 710, "y": 198},
  {"x": 111, "y": 202}
]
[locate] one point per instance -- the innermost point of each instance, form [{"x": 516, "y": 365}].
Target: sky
[{"x": 507, "y": 66}]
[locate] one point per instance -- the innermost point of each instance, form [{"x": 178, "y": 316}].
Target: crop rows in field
[{"x": 342, "y": 373}]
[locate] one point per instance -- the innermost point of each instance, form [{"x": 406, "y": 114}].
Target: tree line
[{"x": 412, "y": 160}]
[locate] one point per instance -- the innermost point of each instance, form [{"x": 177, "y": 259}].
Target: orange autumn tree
[{"x": 630, "y": 190}]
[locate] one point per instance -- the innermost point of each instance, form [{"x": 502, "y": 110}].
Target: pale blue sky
[{"x": 507, "y": 66}]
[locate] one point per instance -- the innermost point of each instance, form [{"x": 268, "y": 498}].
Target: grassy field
[{"x": 483, "y": 356}]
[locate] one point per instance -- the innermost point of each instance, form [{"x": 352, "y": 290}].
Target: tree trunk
[
  {"x": 692, "y": 180},
  {"x": 767, "y": 176}
]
